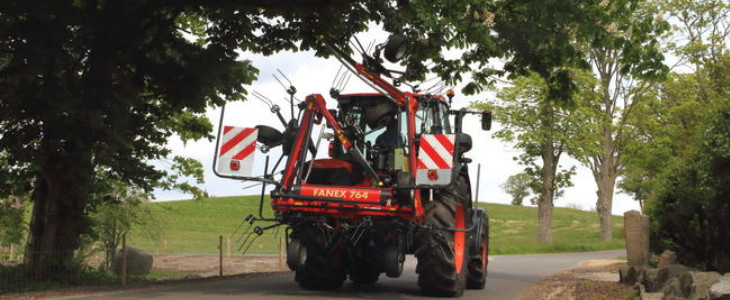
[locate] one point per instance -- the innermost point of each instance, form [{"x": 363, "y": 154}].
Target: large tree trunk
[
  {"x": 604, "y": 203},
  {"x": 64, "y": 184},
  {"x": 545, "y": 215},
  {"x": 545, "y": 204},
  {"x": 61, "y": 191},
  {"x": 549, "y": 163},
  {"x": 605, "y": 177}
]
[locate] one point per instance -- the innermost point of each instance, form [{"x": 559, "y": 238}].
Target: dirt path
[
  {"x": 207, "y": 265},
  {"x": 593, "y": 280}
]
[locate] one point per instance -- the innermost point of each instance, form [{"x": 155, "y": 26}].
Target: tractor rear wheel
[
  {"x": 479, "y": 257},
  {"x": 442, "y": 255},
  {"x": 323, "y": 268}
]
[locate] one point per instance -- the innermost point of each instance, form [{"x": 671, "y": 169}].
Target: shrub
[{"x": 691, "y": 214}]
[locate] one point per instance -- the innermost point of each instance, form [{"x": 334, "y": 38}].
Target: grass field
[{"x": 195, "y": 226}]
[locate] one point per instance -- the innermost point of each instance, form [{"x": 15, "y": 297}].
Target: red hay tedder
[{"x": 395, "y": 182}]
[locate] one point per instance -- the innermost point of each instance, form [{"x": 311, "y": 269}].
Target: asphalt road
[{"x": 508, "y": 277}]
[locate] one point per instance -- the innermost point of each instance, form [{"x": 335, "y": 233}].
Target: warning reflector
[
  {"x": 236, "y": 152},
  {"x": 435, "y": 159}
]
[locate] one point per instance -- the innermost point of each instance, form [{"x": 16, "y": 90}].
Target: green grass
[
  {"x": 513, "y": 230},
  {"x": 194, "y": 227}
]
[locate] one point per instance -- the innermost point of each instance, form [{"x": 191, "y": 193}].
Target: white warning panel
[
  {"x": 236, "y": 152},
  {"x": 435, "y": 159}
]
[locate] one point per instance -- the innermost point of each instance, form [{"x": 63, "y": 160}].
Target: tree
[
  {"x": 689, "y": 214},
  {"x": 699, "y": 38},
  {"x": 90, "y": 86},
  {"x": 101, "y": 85},
  {"x": 673, "y": 116},
  {"x": 540, "y": 130},
  {"x": 123, "y": 211},
  {"x": 686, "y": 193},
  {"x": 518, "y": 186},
  {"x": 624, "y": 68},
  {"x": 664, "y": 129}
]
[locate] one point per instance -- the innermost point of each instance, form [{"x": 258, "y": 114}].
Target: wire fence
[{"x": 143, "y": 260}]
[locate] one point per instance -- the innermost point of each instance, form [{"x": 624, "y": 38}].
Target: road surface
[{"x": 508, "y": 277}]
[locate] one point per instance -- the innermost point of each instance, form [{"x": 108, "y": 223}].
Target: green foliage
[
  {"x": 690, "y": 213},
  {"x": 518, "y": 186},
  {"x": 121, "y": 210},
  {"x": 12, "y": 221},
  {"x": 665, "y": 126},
  {"x": 534, "y": 125}
]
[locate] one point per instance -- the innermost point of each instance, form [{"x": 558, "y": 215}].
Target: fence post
[
  {"x": 281, "y": 253},
  {"x": 220, "y": 255},
  {"x": 124, "y": 259}
]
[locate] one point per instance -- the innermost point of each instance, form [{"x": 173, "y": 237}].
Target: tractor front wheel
[
  {"x": 479, "y": 257},
  {"x": 442, "y": 254}
]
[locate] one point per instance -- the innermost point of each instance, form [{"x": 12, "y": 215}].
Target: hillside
[{"x": 195, "y": 226}]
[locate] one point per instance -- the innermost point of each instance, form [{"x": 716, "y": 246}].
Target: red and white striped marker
[
  {"x": 436, "y": 151},
  {"x": 435, "y": 160},
  {"x": 236, "y": 152}
]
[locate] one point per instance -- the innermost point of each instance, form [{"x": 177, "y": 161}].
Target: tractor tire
[
  {"x": 323, "y": 268},
  {"x": 362, "y": 272},
  {"x": 479, "y": 259},
  {"x": 442, "y": 255}
]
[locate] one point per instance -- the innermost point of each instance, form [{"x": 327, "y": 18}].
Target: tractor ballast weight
[{"x": 396, "y": 182}]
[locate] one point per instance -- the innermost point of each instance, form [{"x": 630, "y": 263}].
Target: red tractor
[{"x": 396, "y": 182}]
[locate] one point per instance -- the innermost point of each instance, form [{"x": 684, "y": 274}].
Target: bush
[{"x": 691, "y": 215}]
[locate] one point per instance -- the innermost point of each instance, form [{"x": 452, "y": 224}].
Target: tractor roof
[{"x": 358, "y": 97}]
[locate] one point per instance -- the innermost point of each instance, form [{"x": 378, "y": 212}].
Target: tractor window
[
  {"x": 372, "y": 135},
  {"x": 444, "y": 112},
  {"x": 424, "y": 120},
  {"x": 433, "y": 118}
]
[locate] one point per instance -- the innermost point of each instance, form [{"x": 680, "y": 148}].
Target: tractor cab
[{"x": 383, "y": 133}]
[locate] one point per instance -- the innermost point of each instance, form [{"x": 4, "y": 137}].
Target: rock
[
  {"x": 651, "y": 296},
  {"x": 667, "y": 258},
  {"x": 721, "y": 289},
  {"x": 139, "y": 263},
  {"x": 672, "y": 290},
  {"x": 629, "y": 274},
  {"x": 690, "y": 285},
  {"x": 649, "y": 280},
  {"x": 636, "y": 227},
  {"x": 666, "y": 274}
]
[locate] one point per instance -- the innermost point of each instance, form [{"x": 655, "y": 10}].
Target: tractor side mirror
[
  {"x": 486, "y": 120},
  {"x": 395, "y": 48}
]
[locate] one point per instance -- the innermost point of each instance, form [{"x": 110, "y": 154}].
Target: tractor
[{"x": 395, "y": 182}]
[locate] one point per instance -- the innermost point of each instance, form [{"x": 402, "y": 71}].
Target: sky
[{"x": 310, "y": 75}]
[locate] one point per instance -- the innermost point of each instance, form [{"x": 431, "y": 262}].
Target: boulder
[
  {"x": 664, "y": 275},
  {"x": 667, "y": 258},
  {"x": 629, "y": 274},
  {"x": 139, "y": 263},
  {"x": 672, "y": 290},
  {"x": 720, "y": 290},
  {"x": 690, "y": 285},
  {"x": 649, "y": 280}
]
